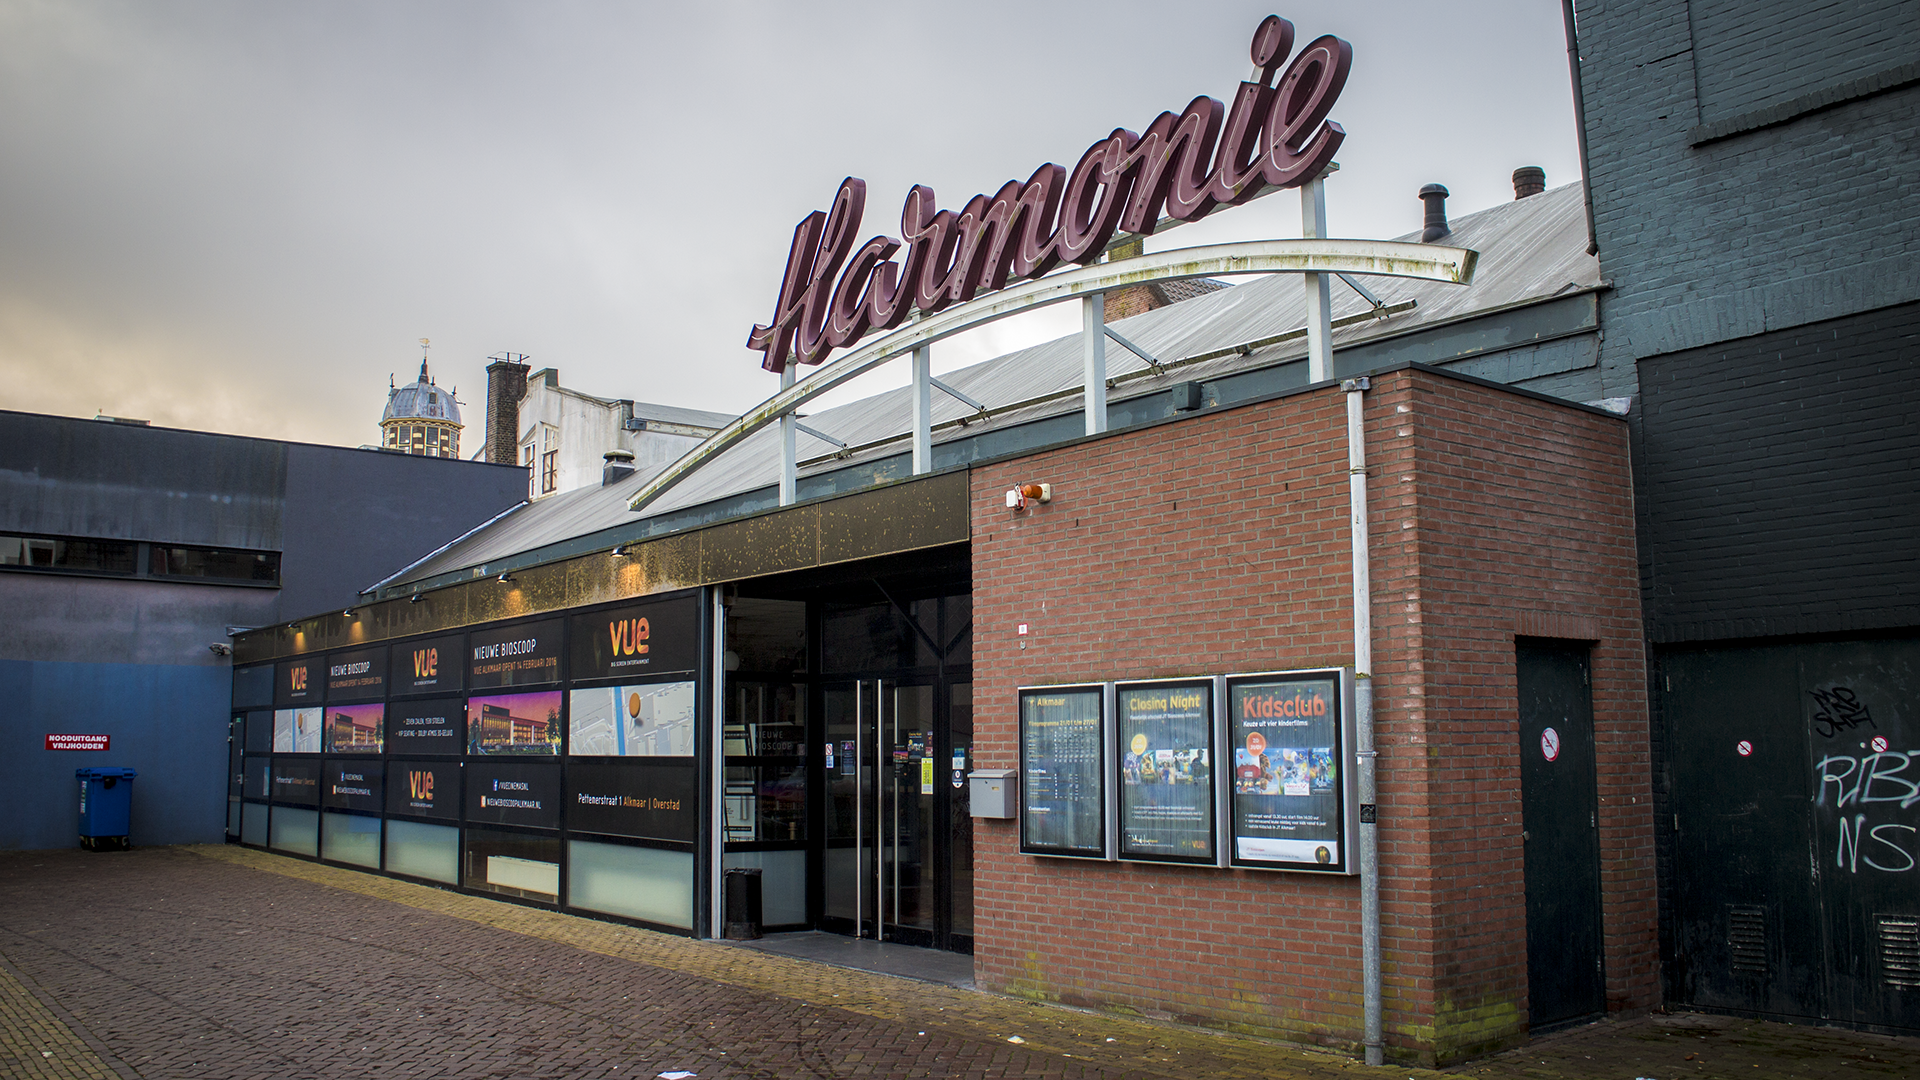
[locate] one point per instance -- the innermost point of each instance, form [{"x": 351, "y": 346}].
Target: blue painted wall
[{"x": 168, "y": 722}]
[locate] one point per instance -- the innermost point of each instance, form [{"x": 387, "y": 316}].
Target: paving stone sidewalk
[{"x": 221, "y": 962}]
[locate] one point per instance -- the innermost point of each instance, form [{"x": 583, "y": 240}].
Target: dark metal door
[
  {"x": 1559, "y": 813},
  {"x": 1795, "y": 795}
]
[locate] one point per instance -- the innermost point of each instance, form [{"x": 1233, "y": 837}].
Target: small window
[
  {"x": 216, "y": 564},
  {"x": 45, "y": 553},
  {"x": 549, "y": 470}
]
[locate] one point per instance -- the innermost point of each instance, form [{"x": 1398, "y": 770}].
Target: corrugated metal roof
[{"x": 1530, "y": 250}]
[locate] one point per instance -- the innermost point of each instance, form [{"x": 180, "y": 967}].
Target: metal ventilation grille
[
  {"x": 1747, "y": 938},
  {"x": 1900, "y": 951}
]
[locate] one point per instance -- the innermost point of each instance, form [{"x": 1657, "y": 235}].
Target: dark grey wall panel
[
  {"x": 71, "y": 477},
  {"x": 355, "y": 516},
  {"x": 1776, "y": 481}
]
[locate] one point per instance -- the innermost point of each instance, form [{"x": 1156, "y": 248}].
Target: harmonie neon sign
[{"x": 1183, "y": 167}]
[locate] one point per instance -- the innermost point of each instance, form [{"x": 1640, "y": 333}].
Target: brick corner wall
[{"x": 1221, "y": 544}]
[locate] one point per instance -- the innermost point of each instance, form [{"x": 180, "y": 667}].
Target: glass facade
[{"x": 451, "y": 759}]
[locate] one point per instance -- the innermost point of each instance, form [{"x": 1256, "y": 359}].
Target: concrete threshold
[{"x": 876, "y": 957}]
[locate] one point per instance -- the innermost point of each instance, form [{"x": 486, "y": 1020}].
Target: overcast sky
[{"x": 241, "y": 217}]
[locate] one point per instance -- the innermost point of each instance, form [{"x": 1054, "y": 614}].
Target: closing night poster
[
  {"x": 1166, "y": 771},
  {"x": 1287, "y": 749}
]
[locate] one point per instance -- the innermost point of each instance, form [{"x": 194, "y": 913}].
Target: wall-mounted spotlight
[
  {"x": 504, "y": 578},
  {"x": 349, "y": 613},
  {"x": 1019, "y": 497},
  {"x": 416, "y": 598},
  {"x": 620, "y": 551}
]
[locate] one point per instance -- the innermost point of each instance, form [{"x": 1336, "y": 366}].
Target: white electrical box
[{"x": 991, "y": 793}]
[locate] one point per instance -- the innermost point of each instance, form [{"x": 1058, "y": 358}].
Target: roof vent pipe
[
  {"x": 619, "y": 466},
  {"x": 1435, "y": 197},
  {"x": 1528, "y": 180}
]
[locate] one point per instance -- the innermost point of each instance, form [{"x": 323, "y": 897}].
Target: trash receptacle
[
  {"x": 743, "y": 903},
  {"x": 106, "y": 808}
]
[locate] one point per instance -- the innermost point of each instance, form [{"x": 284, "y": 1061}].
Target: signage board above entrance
[{"x": 1276, "y": 135}]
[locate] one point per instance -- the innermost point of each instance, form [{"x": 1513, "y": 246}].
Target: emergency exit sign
[{"x": 76, "y": 742}]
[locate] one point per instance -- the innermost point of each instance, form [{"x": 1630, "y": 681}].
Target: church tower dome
[{"x": 421, "y": 418}]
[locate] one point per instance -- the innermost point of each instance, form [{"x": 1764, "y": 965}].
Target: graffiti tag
[
  {"x": 1838, "y": 710},
  {"x": 1877, "y": 778}
]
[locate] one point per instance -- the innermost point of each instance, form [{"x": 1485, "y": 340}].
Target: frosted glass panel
[
  {"x": 253, "y": 824},
  {"x": 296, "y": 830},
  {"x": 350, "y": 838},
  {"x": 639, "y": 883},
  {"x": 424, "y": 851},
  {"x": 783, "y": 883}
]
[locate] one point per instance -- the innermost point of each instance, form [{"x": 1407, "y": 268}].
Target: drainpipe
[{"x": 1363, "y": 718}]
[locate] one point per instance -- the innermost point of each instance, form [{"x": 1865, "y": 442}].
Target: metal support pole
[
  {"x": 1313, "y": 226},
  {"x": 1093, "y": 342},
  {"x": 922, "y": 410},
  {"x": 789, "y": 471},
  {"x": 1363, "y": 720},
  {"x": 717, "y": 774}
]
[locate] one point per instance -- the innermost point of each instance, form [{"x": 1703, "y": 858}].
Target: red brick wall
[{"x": 1221, "y": 544}]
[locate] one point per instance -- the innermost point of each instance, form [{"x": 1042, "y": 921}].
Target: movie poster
[
  {"x": 297, "y": 731},
  {"x": 514, "y": 723},
  {"x": 1288, "y": 802},
  {"x": 356, "y": 729},
  {"x": 1165, "y": 739},
  {"x": 1062, "y": 771},
  {"x": 651, "y": 720}
]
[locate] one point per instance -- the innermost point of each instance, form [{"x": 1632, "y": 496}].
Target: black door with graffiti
[
  {"x": 1793, "y": 785},
  {"x": 1559, "y": 802}
]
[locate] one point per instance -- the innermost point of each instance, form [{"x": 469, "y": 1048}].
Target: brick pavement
[{"x": 228, "y": 963}]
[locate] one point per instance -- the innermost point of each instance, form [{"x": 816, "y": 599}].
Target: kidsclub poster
[
  {"x": 1166, "y": 771},
  {"x": 514, "y": 723},
  {"x": 1287, "y": 741}
]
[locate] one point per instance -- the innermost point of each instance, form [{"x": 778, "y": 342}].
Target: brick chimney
[
  {"x": 1134, "y": 299},
  {"x": 506, "y": 385},
  {"x": 1528, "y": 180}
]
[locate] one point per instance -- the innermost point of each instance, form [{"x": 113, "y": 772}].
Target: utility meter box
[{"x": 991, "y": 793}]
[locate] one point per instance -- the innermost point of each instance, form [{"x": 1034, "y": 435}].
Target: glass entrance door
[{"x": 883, "y": 846}]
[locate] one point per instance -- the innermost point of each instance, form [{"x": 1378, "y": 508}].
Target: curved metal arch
[{"x": 1425, "y": 262}]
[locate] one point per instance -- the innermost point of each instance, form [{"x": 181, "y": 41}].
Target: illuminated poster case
[
  {"x": 1063, "y": 771},
  {"x": 1293, "y": 802},
  {"x": 1164, "y": 757}
]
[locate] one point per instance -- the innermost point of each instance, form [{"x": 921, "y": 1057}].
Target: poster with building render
[
  {"x": 1062, "y": 771},
  {"x": 1165, "y": 756},
  {"x": 1289, "y": 798}
]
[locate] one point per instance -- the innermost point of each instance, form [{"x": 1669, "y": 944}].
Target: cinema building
[{"x": 1084, "y": 697}]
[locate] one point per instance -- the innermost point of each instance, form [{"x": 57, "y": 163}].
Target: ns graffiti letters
[{"x": 1890, "y": 780}]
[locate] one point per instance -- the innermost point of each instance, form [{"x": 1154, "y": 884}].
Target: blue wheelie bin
[{"x": 106, "y": 808}]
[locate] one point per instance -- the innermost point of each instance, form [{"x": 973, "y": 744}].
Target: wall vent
[
  {"x": 1747, "y": 938},
  {"x": 1900, "y": 951}
]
